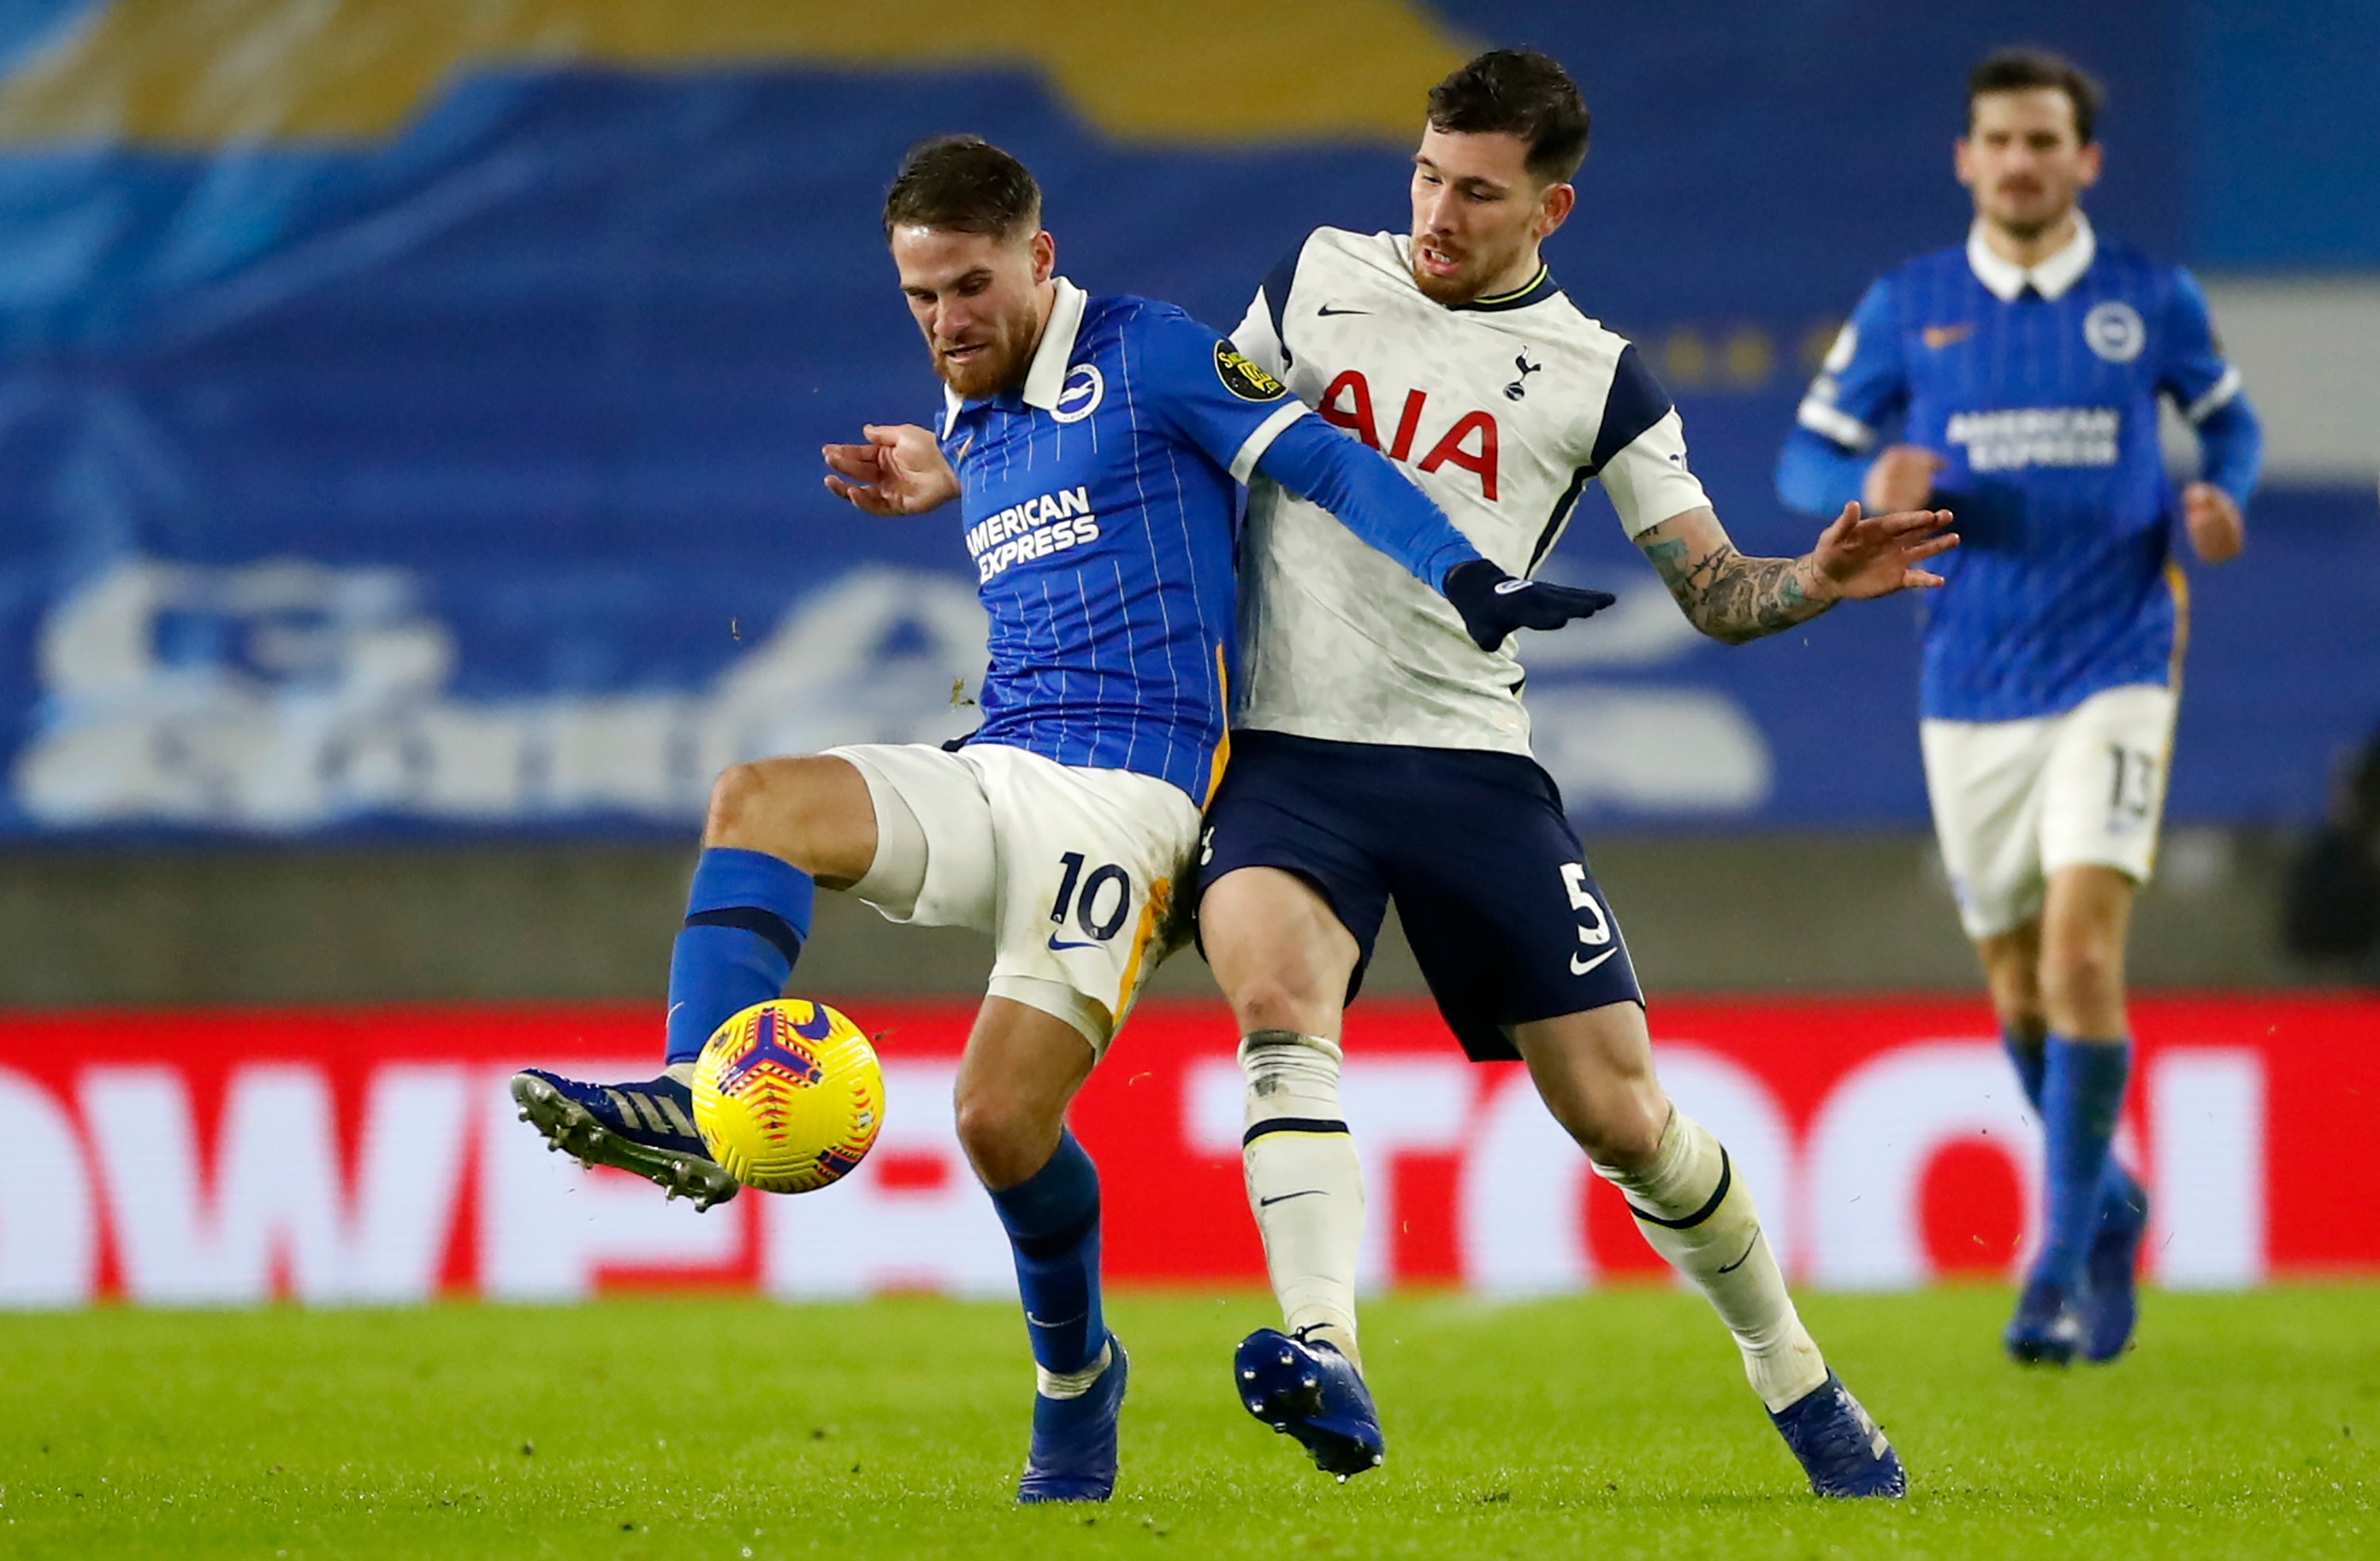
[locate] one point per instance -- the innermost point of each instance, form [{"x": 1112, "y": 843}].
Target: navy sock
[
  {"x": 746, "y": 916},
  {"x": 1053, "y": 1223},
  {"x": 2083, "y": 1091},
  {"x": 2031, "y": 1064}
]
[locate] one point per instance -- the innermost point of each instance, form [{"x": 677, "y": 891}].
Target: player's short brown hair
[
  {"x": 2023, "y": 70},
  {"x": 1517, "y": 92},
  {"x": 962, "y": 184}
]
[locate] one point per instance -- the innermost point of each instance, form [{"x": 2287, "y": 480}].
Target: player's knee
[
  {"x": 1625, "y": 1139},
  {"x": 738, "y": 798},
  {"x": 1619, "y": 1127},
  {"x": 793, "y": 808},
  {"x": 2081, "y": 967},
  {"x": 1006, "y": 1142}
]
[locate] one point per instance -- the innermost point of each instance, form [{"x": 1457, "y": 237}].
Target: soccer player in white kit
[{"x": 1381, "y": 753}]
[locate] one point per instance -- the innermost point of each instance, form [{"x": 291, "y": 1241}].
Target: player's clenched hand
[
  {"x": 1863, "y": 556},
  {"x": 900, "y": 470},
  {"x": 1900, "y": 478},
  {"x": 1493, "y": 603},
  {"x": 2216, "y": 530}
]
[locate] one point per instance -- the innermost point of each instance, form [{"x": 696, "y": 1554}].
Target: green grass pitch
[{"x": 1609, "y": 1425}]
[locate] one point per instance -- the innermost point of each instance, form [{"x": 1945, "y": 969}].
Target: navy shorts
[{"x": 1489, "y": 878}]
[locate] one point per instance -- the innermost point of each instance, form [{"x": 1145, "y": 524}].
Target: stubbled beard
[
  {"x": 1470, "y": 284},
  {"x": 998, "y": 366},
  {"x": 1443, "y": 289}
]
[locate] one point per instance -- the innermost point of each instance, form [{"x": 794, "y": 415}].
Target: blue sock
[
  {"x": 746, "y": 916},
  {"x": 1053, "y": 1223},
  {"x": 2081, "y": 1093},
  {"x": 2030, "y": 1062}
]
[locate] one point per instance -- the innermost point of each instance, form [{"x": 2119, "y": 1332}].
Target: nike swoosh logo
[
  {"x": 1940, "y": 336},
  {"x": 1067, "y": 1323},
  {"x": 1326, "y": 312},
  {"x": 1506, "y": 587},
  {"x": 1309, "y": 1192},
  {"x": 1580, "y": 967},
  {"x": 1745, "y": 1258},
  {"x": 1060, "y": 946}
]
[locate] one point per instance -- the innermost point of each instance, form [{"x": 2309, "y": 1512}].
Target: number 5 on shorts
[{"x": 1594, "y": 932}]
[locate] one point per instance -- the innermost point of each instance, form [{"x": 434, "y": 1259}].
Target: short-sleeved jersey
[
  {"x": 1501, "y": 410},
  {"x": 2039, "y": 391},
  {"x": 1099, "y": 501}
]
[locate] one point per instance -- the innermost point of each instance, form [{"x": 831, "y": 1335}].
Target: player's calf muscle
[
  {"x": 814, "y": 813},
  {"x": 1595, "y": 1072}
]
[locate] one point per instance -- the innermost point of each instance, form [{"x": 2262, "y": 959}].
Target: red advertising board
[{"x": 372, "y": 1154}]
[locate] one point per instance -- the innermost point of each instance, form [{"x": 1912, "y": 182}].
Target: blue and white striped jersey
[
  {"x": 1098, "y": 504},
  {"x": 2038, "y": 389}
]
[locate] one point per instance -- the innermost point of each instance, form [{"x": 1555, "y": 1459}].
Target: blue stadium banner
[{"x": 409, "y": 414}]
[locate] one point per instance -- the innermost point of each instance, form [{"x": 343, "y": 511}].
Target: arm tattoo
[{"x": 1733, "y": 597}]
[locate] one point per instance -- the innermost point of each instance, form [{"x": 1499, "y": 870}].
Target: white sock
[
  {"x": 1305, "y": 1185},
  {"x": 1695, "y": 1213},
  {"x": 1071, "y": 1384}
]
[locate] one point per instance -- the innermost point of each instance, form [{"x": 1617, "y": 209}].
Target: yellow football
[{"x": 788, "y": 1096}]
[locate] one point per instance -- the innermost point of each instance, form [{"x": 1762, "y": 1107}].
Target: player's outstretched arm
[
  {"x": 900, "y": 470},
  {"x": 1371, "y": 498},
  {"x": 1736, "y": 598}
]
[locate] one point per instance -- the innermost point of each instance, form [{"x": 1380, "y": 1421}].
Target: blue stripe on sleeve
[
  {"x": 1635, "y": 403},
  {"x": 1277, "y": 283}
]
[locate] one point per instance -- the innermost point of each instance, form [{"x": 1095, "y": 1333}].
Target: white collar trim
[
  {"x": 2005, "y": 279},
  {"x": 1045, "y": 376}
]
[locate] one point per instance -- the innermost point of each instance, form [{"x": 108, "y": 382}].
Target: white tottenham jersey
[{"x": 1501, "y": 410}]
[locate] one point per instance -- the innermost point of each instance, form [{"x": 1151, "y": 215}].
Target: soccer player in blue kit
[
  {"x": 2022, "y": 372},
  {"x": 1095, "y": 445}
]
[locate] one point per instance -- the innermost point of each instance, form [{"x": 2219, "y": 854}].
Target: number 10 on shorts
[{"x": 1096, "y": 910}]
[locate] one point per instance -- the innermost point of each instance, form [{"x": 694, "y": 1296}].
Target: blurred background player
[
  {"x": 2025, "y": 370},
  {"x": 1382, "y": 753},
  {"x": 1094, "y": 444}
]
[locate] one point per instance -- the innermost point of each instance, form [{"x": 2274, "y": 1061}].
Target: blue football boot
[
  {"x": 647, "y": 1127},
  {"x": 1306, "y": 1389},
  {"x": 2110, "y": 1300},
  {"x": 1842, "y": 1450},
  {"x": 1074, "y": 1453},
  {"x": 2047, "y": 1329}
]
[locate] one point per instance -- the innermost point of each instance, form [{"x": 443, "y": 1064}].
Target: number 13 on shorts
[{"x": 2133, "y": 799}]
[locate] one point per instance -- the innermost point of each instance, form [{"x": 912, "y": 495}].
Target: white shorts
[
  {"x": 2015, "y": 801},
  {"x": 1075, "y": 873}
]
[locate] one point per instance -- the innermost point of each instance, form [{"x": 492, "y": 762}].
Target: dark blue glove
[{"x": 1493, "y": 603}]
